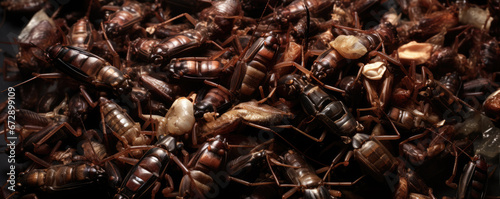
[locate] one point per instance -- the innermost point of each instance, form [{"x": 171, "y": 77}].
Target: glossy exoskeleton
[
  {"x": 194, "y": 68},
  {"x": 144, "y": 178},
  {"x": 126, "y": 18},
  {"x": 88, "y": 67},
  {"x": 61, "y": 177},
  {"x": 210, "y": 157},
  {"x": 210, "y": 101},
  {"x": 474, "y": 179},
  {"x": 251, "y": 71},
  {"x": 319, "y": 104}
]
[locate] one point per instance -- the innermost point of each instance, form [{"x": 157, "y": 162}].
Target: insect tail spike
[
  {"x": 356, "y": 19},
  {"x": 54, "y": 15},
  {"x": 232, "y": 146},
  {"x": 261, "y": 90},
  {"x": 37, "y": 159},
  {"x": 222, "y": 88},
  {"x": 26, "y": 81},
  {"x": 89, "y": 8}
]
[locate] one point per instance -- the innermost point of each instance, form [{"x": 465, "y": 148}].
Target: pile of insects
[{"x": 255, "y": 99}]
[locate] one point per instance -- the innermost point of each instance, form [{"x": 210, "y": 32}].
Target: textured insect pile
[{"x": 253, "y": 98}]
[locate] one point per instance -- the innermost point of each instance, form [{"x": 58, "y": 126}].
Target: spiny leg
[{"x": 116, "y": 57}]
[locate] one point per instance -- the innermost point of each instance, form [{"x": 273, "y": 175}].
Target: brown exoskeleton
[
  {"x": 296, "y": 10},
  {"x": 376, "y": 161},
  {"x": 252, "y": 69},
  {"x": 306, "y": 180},
  {"x": 355, "y": 46},
  {"x": 126, "y": 18},
  {"x": 214, "y": 21},
  {"x": 317, "y": 104},
  {"x": 120, "y": 123},
  {"x": 82, "y": 33},
  {"x": 144, "y": 178},
  {"x": 413, "y": 116},
  {"x": 440, "y": 142},
  {"x": 474, "y": 179},
  {"x": 211, "y": 157},
  {"x": 87, "y": 150},
  {"x": 62, "y": 177},
  {"x": 410, "y": 185},
  {"x": 39, "y": 34},
  {"x": 167, "y": 91},
  {"x": 211, "y": 100},
  {"x": 87, "y": 67},
  {"x": 142, "y": 47},
  {"x": 378, "y": 82},
  {"x": 195, "y": 68},
  {"x": 48, "y": 126}
]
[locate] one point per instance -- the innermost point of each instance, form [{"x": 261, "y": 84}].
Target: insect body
[
  {"x": 251, "y": 71},
  {"x": 144, "y": 177},
  {"x": 473, "y": 181},
  {"x": 319, "y": 104},
  {"x": 88, "y": 67},
  {"x": 61, "y": 177},
  {"x": 209, "y": 158}
]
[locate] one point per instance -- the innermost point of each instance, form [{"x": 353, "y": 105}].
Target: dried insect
[
  {"x": 120, "y": 123},
  {"x": 474, "y": 179},
  {"x": 87, "y": 67},
  {"x": 211, "y": 100},
  {"x": 316, "y": 103},
  {"x": 126, "y": 18},
  {"x": 61, "y": 177},
  {"x": 210, "y": 157},
  {"x": 305, "y": 179},
  {"x": 82, "y": 33},
  {"x": 144, "y": 178},
  {"x": 296, "y": 10},
  {"x": 213, "y": 20},
  {"x": 194, "y": 68},
  {"x": 251, "y": 71},
  {"x": 251, "y": 113}
]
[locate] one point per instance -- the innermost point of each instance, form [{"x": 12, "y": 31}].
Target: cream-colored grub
[
  {"x": 180, "y": 117},
  {"x": 413, "y": 51},
  {"x": 374, "y": 71},
  {"x": 349, "y": 46},
  {"x": 475, "y": 16}
]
